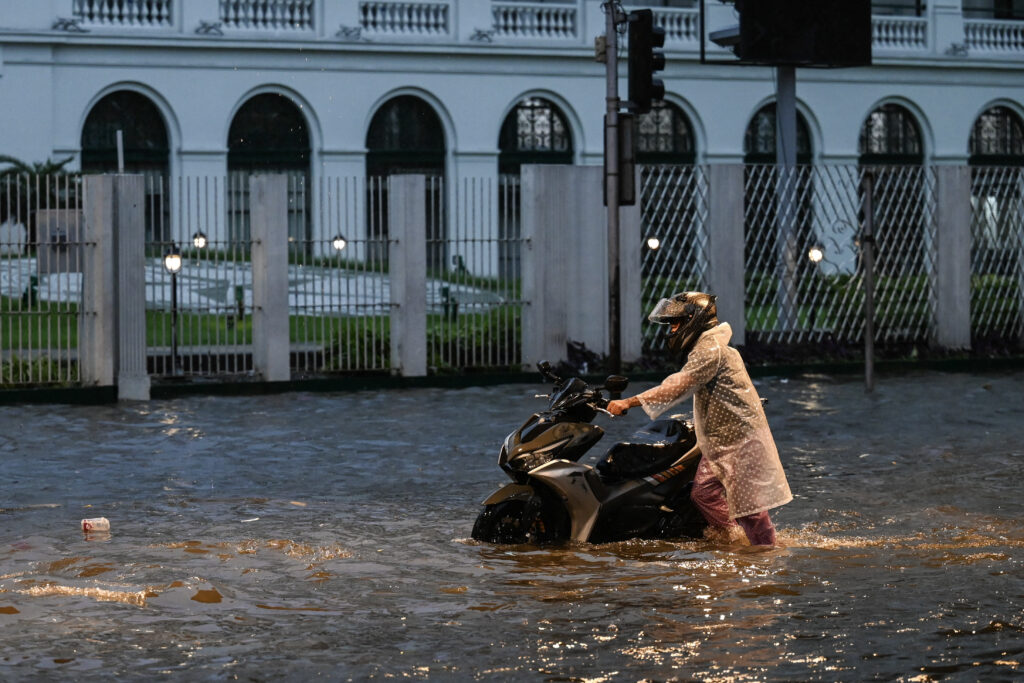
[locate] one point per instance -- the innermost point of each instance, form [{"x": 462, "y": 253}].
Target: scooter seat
[{"x": 628, "y": 460}]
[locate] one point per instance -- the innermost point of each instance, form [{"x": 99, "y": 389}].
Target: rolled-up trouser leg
[
  {"x": 708, "y": 495},
  {"x": 758, "y": 528}
]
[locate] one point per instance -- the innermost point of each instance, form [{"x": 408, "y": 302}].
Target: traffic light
[{"x": 645, "y": 58}]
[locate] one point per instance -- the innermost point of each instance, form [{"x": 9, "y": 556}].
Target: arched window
[
  {"x": 997, "y": 138},
  {"x": 406, "y": 136},
  {"x": 269, "y": 134},
  {"x": 890, "y": 135},
  {"x": 534, "y": 132},
  {"x": 759, "y": 140},
  {"x": 144, "y": 145},
  {"x": 664, "y": 136}
]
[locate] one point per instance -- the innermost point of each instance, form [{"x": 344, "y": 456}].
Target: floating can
[{"x": 96, "y": 524}]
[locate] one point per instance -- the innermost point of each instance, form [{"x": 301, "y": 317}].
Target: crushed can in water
[{"x": 96, "y": 524}]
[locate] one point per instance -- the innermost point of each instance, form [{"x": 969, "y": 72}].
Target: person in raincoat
[{"x": 740, "y": 476}]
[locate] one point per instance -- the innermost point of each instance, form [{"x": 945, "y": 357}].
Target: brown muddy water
[{"x": 306, "y": 535}]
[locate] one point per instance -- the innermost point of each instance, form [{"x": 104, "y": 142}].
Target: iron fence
[
  {"x": 997, "y": 252},
  {"x": 41, "y": 243},
  {"x": 674, "y": 209},
  {"x": 804, "y": 274},
  {"x": 474, "y": 296},
  {"x": 199, "y": 317},
  {"x": 339, "y": 294}
]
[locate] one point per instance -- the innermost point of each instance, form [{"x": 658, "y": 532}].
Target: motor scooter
[{"x": 640, "y": 488}]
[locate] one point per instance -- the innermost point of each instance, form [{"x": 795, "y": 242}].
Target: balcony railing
[
  {"x": 990, "y": 35},
  {"x": 528, "y": 20},
  {"x": 510, "y": 22},
  {"x": 272, "y": 15},
  {"x": 899, "y": 33},
  {"x": 405, "y": 18},
  {"x": 123, "y": 12}
]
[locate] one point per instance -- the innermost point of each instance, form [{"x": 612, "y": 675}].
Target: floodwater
[{"x": 326, "y": 535}]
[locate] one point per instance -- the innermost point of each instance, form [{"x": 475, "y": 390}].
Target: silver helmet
[{"x": 695, "y": 312}]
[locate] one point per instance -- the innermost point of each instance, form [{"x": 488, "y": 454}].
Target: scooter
[{"x": 639, "y": 489}]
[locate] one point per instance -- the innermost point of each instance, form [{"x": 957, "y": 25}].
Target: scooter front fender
[{"x": 510, "y": 492}]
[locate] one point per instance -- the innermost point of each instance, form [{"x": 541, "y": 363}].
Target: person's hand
[{"x": 619, "y": 406}]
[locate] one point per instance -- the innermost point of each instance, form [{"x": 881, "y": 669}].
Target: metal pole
[
  {"x": 868, "y": 250},
  {"x": 174, "y": 323},
  {"x": 785, "y": 193},
  {"x": 611, "y": 170}
]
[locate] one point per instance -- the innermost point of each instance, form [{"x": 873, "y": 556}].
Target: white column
[
  {"x": 953, "y": 257},
  {"x": 408, "y": 273},
  {"x": 268, "y": 196},
  {"x": 725, "y": 245}
]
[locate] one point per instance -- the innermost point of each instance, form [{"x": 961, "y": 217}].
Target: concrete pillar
[
  {"x": 112, "y": 332},
  {"x": 565, "y": 265},
  {"x": 726, "y": 241},
  {"x": 130, "y": 233},
  {"x": 408, "y": 273},
  {"x": 953, "y": 257},
  {"x": 97, "y": 338},
  {"x": 269, "y": 220},
  {"x": 946, "y": 27}
]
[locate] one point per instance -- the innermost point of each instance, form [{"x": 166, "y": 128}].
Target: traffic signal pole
[{"x": 611, "y": 185}]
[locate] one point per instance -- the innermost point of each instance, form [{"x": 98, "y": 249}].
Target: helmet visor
[{"x": 668, "y": 311}]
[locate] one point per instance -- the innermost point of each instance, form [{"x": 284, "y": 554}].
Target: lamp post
[{"x": 172, "y": 264}]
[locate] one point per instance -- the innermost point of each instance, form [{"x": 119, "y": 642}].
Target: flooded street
[{"x": 290, "y": 536}]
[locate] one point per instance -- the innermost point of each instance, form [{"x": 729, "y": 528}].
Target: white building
[{"x": 339, "y": 87}]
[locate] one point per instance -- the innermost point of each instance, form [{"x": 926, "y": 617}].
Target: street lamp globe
[
  {"x": 653, "y": 243},
  {"x": 172, "y": 260},
  {"x": 199, "y": 240},
  {"x": 339, "y": 242},
  {"x": 815, "y": 254}
]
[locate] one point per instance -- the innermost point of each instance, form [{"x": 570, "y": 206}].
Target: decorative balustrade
[
  {"x": 405, "y": 18},
  {"x": 123, "y": 12},
  {"x": 986, "y": 35},
  {"x": 524, "y": 20},
  {"x": 899, "y": 33},
  {"x": 274, "y": 15},
  {"x": 681, "y": 25}
]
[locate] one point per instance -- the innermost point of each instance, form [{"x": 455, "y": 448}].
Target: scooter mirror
[{"x": 616, "y": 383}]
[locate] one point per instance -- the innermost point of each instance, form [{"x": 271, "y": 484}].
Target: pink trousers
[{"x": 708, "y": 495}]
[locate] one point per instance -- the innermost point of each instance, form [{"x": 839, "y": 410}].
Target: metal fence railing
[
  {"x": 199, "y": 318},
  {"x": 997, "y": 253},
  {"x": 474, "y": 294},
  {"x": 339, "y": 295},
  {"x": 674, "y": 209},
  {"x": 804, "y": 277},
  {"x": 41, "y": 243}
]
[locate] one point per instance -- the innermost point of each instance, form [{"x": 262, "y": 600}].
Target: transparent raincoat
[{"x": 732, "y": 429}]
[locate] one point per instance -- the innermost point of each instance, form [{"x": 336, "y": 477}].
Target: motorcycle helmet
[{"x": 694, "y": 311}]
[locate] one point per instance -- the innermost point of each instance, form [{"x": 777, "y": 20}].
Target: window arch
[
  {"x": 144, "y": 144},
  {"x": 406, "y": 136},
  {"x": 997, "y": 138},
  {"x": 664, "y": 136},
  {"x": 759, "y": 140},
  {"x": 269, "y": 134},
  {"x": 534, "y": 132},
  {"x": 890, "y": 135}
]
